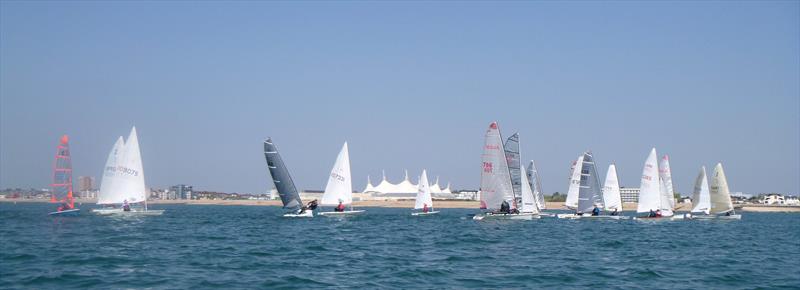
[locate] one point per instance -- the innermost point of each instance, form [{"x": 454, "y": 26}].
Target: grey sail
[
  {"x": 280, "y": 175},
  {"x": 513, "y": 159},
  {"x": 590, "y": 193}
]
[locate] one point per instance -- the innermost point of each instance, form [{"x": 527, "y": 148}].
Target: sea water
[{"x": 194, "y": 246}]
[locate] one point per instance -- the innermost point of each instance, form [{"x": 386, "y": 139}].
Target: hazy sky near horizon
[{"x": 410, "y": 85}]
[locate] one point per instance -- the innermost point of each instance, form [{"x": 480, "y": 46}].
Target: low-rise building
[
  {"x": 629, "y": 194},
  {"x": 773, "y": 198}
]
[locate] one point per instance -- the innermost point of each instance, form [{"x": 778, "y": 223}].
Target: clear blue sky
[{"x": 408, "y": 85}]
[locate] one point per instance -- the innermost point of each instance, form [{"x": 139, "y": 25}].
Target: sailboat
[
  {"x": 653, "y": 194},
  {"x": 701, "y": 196},
  {"x": 721, "y": 206},
  {"x": 62, "y": 180},
  {"x": 528, "y": 200},
  {"x": 497, "y": 190},
  {"x": 339, "y": 190},
  {"x": 665, "y": 173},
  {"x": 589, "y": 191},
  {"x": 424, "y": 201},
  {"x": 574, "y": 184},
  {"x": 123, "y": 180},
  {"x": 536, "y": 185},
  {"x": 283, "y": 183},
  {"x": 612, "y": 198}
]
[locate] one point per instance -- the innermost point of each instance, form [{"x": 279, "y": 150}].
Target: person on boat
[
  {"x": 652, "y": 214},
  {"x": 728, "y": 214},
  {"x": 658, "y": 213},
  {"x": 505, "y": 208},
  {"x": 425, "y": 208},
  {"x": 514, "y": 211},
  {"x": 64, "y": 206},
  {"x": 126, "y": 206},
  {"x": 312, "y": 205},
  {"x": 340, "y": 207},
  {"x": 615, "y": 212},
  {"x": 595, "y": 211}
]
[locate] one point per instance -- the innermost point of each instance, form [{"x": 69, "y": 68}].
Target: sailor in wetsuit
[
  {"x": 595, "y": 211},
  {"x": 505, "y": 208}
]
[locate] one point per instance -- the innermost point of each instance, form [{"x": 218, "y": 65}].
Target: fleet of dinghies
[{"x": 507, "y": 190}]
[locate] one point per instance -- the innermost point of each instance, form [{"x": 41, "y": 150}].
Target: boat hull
[
  {"x": 341, "y": 213},
  {"x": 714, "y": 217},
  {"x": 307, "y": 214},
  {"x": 69, "y": 212},
  {"x": 119, "y": 211},
  {"x": 598, "y": 217},
  {"x": 664, "y": 218},
  {"x": 424, "y": 213},
  {"x": 501, "y": 216}
]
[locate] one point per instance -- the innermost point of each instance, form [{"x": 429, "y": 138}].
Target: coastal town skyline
[{"x": 407, "y": 88}]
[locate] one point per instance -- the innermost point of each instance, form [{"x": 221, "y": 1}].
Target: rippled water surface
[{"x": 193, "y": 246}]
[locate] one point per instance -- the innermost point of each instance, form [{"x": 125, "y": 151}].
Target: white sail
[
  {"x": 720, "y": 194},
  {"x": 590, "y": 193},
  {"x": 536, "y": 185},
  {"x": 423, "y": 193},
  {"x": 611, "y": 195},
  {"x": 701, "y": 198},
  {"x": 665, "y": 173},
  {"x": 574, "y": 184},
  {"x": 528, "y": 201},
  {"x": 650, "y": 188},
  {"x": 107, "y": 191},
  {"x": 666, "y": 198},
  {"x": 130, "y": 172},
  {"x": 340, "y": 187},
  {"x": 495, "y": 177}
]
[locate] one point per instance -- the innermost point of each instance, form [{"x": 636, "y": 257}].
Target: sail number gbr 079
[{"x": 122, "y": 170}]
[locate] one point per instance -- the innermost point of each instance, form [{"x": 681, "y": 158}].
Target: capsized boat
[
  {"x": 497, "y": 191},
  {"x": 62, "y": 181},
  {"x": 718, "y": 198},
  {"x": 424, "y": 200},
  {"x": 653, "y": 195},
  {"x": 122, "y": 190},
  {"x": 284, "y": 183},
  {"x": 339, "y": 190}
]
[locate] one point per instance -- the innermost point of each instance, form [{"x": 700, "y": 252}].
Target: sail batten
[{"x": 287, "y": 191}]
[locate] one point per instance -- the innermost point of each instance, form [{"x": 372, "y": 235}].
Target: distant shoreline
[{"x": 466, "y": 204}]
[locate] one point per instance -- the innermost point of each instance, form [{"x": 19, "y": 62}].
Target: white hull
[
  {"x": 547, "y": 214},
  {"x": 665, "y": 218},
  {"x": 340, "y": 213},
  {"x": 69, "y": 212},
  {"x": 424, "y": 213},
  {"x": 600, "y": 217},
  {"x": 714, "y": 217},
  {"x": 119, "y": 211},
  {"x": 510, "y": 216},
  {"x": 307, "y": 214}
]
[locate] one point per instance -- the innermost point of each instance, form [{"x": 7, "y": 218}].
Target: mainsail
[
  {"x": 495, "y": 178},
  {"x": 340, "y": 187},
  {"x": 536, "y": 185},
  {"x": 423, "y": 193},
  {"x": 123, "y": 178},
  {"x": 720, "y": 194},
  {"x": 589, "y": 194},
  {"x": 107, "y": 184},
  {"x": 611, "y": 193},
  {"x": 62, "y": 174},
  {"x": 514, "y": 164},
  {"x": 280, "y": 176},
  {"x": 574, "y": 184},
  {"x": 528, "y": 201},
  {"x": 701, "y": 198},
  {"x": 665, "y": 174}
]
